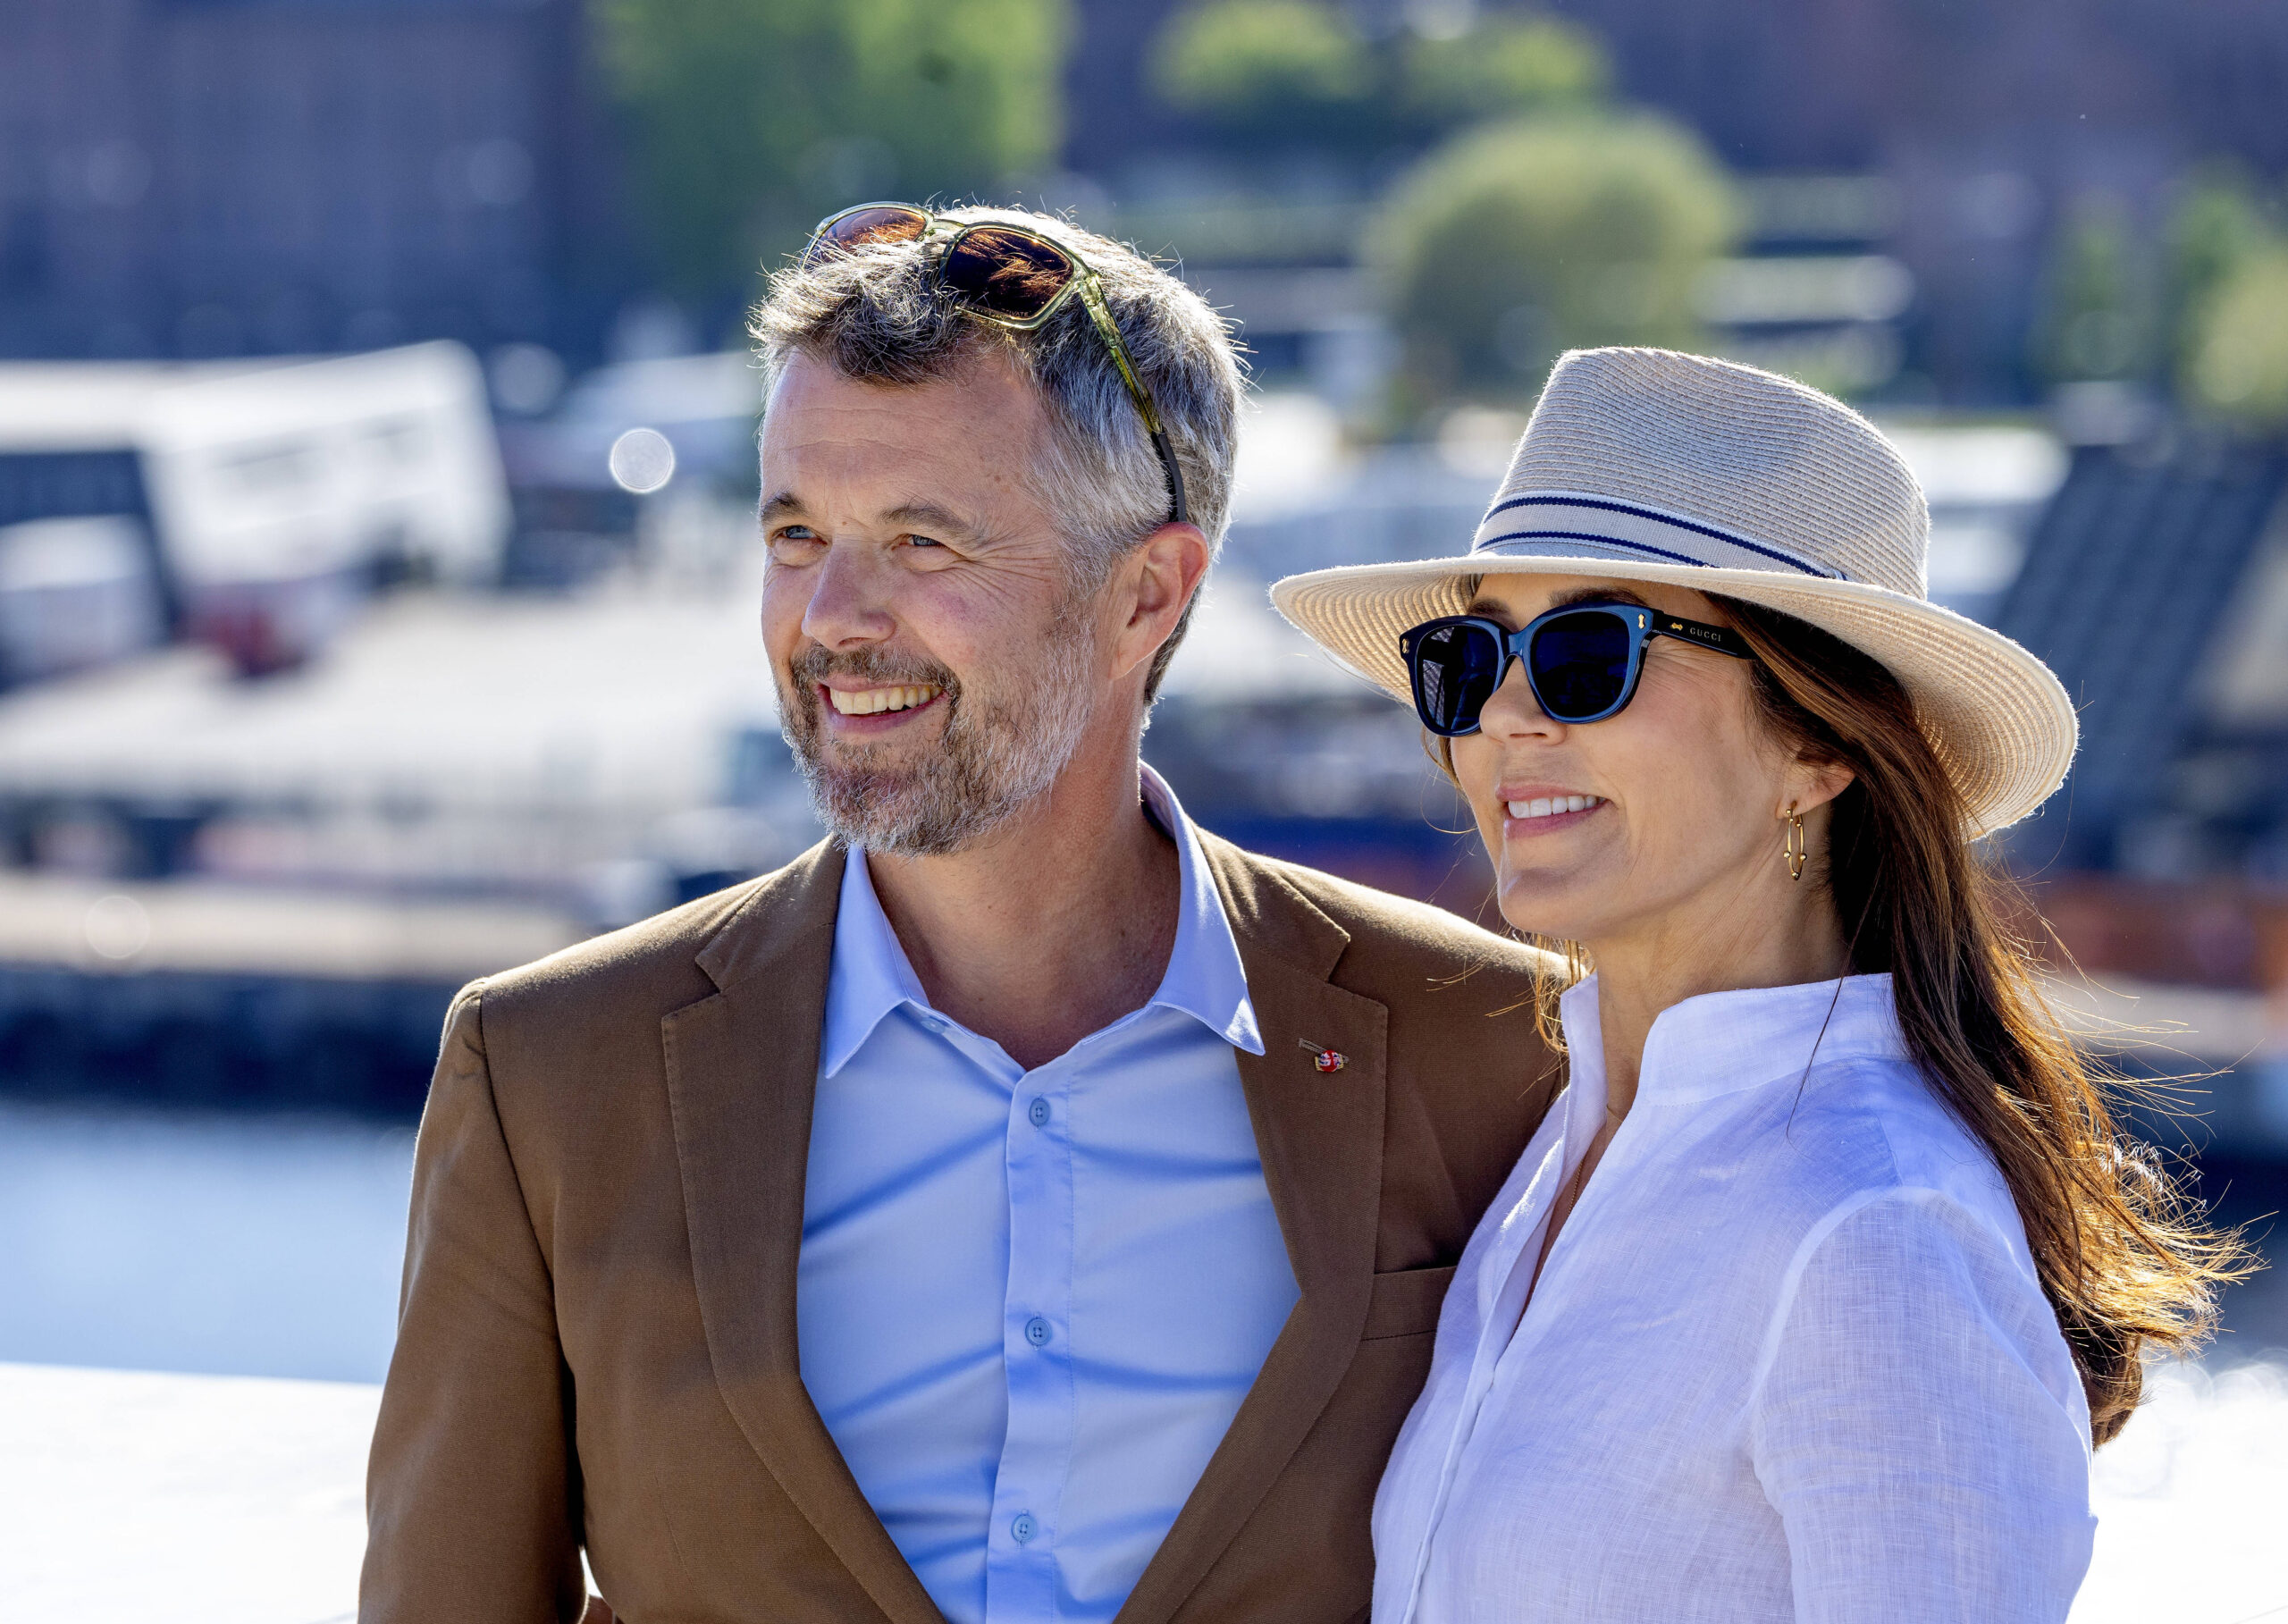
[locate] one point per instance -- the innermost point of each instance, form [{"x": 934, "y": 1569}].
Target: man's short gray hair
[{"x": 874, "y": 314}]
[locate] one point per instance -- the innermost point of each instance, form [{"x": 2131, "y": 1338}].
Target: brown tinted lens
[
  {"x": 889, "y": 222},
  {"x": 1009, "y": 273}
]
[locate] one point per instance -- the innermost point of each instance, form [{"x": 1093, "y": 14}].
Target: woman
[{"x": 1809, "y": 1299}]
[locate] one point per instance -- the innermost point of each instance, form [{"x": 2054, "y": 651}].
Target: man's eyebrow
[{"x": 927, "y": 517}]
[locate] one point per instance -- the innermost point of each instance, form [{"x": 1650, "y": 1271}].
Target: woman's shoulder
[
  {"x": 1898, "y": 1201},
  {"x": 1873, "y": 1130}
]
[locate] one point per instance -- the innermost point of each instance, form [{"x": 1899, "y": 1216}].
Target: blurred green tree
[
  {"x": 1503, "y": 65},
  {"x": 1287, "y": 69},
  {"x": 2219, "y": 221},
  {"x": 2236, "y": 364},
  {"x": 2099, "y": 317},
  {"x": 2228, "y": 296},
  {"x": 1523, "y": 238},
  {"x": 1300, "y": 73},
  {"x": 748, "y": 119}
]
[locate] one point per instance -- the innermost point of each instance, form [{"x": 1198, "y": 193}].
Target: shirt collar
[
  {"x": 1205, "y": 978},
  {"x": 869, "y": 975},
  {"x": 1721, "y": 1042}
]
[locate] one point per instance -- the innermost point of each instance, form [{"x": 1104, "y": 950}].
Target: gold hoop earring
[{"x": 1792, "y": 844}]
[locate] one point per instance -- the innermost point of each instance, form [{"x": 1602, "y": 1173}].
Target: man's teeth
[
  {"x": 866, "y": 702},
  {"x": 1545, "y": 806}
]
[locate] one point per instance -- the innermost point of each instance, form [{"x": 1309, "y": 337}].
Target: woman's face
[{"x": 1682, "y": 792}]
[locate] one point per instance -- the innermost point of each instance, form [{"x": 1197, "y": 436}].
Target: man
[{"x": 1024, "y": 1205}]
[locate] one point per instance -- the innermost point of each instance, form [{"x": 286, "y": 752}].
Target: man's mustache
[{"x": 815, "y": 664}]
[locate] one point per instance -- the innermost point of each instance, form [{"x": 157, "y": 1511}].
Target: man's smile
[
  {"x": 862, "y": 711},
  {"x": 870, "y": 701}
]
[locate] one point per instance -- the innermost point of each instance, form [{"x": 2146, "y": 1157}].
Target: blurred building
[
  {"x": 207, "y": 178},
  {"x": 1984, "y": 123},
  {"x": 1810, "y": 84},
  {"x": 2156, "y": 586},
  {"x": 1994, "y": 118}
]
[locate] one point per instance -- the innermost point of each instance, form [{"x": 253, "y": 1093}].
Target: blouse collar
[{"x": 1719, "y": 1042}]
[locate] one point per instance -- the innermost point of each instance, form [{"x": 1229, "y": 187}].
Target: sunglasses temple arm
[
  {"x": 1720, "y": 639},
  {"x": 1090, "y": 296},
  {"x": 1178, "y": 512}
]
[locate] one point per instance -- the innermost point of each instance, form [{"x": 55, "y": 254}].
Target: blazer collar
[
  {"x": 1320, "y": 1136},
  {"x": 742, "y": 1068}
]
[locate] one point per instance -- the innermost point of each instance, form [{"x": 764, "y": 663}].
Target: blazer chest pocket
[{"x": 1406, "y": 1301}]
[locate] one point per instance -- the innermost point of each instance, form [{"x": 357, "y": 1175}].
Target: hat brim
[{"x": 1999, "y": 719}]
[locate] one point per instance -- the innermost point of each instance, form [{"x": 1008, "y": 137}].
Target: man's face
[{"x": 936, "y": 667}]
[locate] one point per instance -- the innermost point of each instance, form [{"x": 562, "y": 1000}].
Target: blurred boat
[{"x": 273, "y": 496}]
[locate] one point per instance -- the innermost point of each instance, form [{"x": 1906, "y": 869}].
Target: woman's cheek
[{"x": 1472, "y": 765}]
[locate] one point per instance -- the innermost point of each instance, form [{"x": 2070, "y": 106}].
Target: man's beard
[{"x": 999, "y": 751}]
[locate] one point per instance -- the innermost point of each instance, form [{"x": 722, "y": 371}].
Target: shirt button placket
[{"x": 1020, "y": 1564}]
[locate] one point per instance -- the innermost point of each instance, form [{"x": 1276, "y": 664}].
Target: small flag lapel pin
[{"x": 1325, "y": 1059}]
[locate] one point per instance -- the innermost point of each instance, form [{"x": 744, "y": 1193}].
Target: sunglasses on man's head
[
  {"x": 1582, "y": 660},
  {"x": 1009, "y": 276}
]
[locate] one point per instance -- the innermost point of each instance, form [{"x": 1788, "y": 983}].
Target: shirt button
[
  {"x": 1037, "y": 1331},
  {"x": 1038, "y": 1112},
  {"x": 1023, "y": 1528}
]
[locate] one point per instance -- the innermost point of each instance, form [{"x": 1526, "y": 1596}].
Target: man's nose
[{"x": 849, "y": 601}]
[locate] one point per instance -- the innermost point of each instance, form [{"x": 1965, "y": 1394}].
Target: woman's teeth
[
  {"x": 1549, "y": 806},
  {"x": 866, "y": 702}
]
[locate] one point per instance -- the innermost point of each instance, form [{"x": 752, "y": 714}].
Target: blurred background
[{"x": 377, "y": 580}]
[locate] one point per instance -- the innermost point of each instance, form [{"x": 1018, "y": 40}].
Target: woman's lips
[{"x": 1545, "y": 814}]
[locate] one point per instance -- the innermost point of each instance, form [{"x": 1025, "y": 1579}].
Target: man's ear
[{"x": 1156, "y": 581}]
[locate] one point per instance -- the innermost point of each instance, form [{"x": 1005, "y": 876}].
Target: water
[
  {"x": 251, "y": 1245},
  {"x": 221, "y": 1245}
]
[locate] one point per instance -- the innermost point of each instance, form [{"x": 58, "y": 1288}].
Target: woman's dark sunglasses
[
  {"x": 1582, "y": 660},
  {"x": 1009, "y": 276}
]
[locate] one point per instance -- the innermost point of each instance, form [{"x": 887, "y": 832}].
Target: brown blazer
[{"x": 597, "y": 1340}]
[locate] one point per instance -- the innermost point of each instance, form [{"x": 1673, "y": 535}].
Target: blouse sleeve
[{"x": 1919, "y": 1427}]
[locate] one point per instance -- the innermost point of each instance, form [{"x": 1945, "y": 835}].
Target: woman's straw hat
[{"x": 1647, "y": 465}]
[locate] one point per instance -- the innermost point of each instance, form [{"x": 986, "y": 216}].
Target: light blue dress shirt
[{"x": 1031, "y": 1302}]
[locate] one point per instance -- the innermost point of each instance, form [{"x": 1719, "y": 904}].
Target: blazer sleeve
[
  {"x": 1919, "y": 1426},
  {"x": 472, "y": 1490}
]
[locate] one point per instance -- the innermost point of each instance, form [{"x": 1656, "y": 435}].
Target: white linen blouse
[{"x": 1788, "y": 1358}]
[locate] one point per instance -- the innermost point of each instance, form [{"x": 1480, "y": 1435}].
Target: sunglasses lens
[
  {"x": 882, "y": 223},
  {"x": 1457, "y": 667},
  {"x": 1580, "y": 664},
  {"x": 1007, "y": 274}
]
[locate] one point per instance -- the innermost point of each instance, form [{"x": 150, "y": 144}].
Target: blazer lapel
[
  {"x": 742, "y": 1069},
  {"x": 1320, "y": 1136}
]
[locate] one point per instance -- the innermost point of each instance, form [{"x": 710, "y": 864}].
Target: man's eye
[
  {"x": 924, "y": 541},
  {"x": 793, "y": 538}
]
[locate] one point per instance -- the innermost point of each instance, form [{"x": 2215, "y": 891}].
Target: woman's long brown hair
[{"x": 2126, "y": 1258}]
